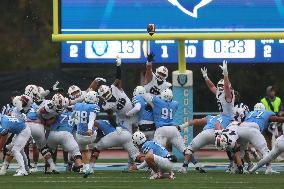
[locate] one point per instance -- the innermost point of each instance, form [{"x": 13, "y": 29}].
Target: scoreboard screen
[{"x": 172, "y": 16}]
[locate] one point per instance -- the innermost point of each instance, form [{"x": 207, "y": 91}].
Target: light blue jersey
[
  {"x": 32, "y": 114},
  {"x": 146, "y": 112},
  {"x": 63, "y": 123},
  {"x": 82, "y": 113},
  {"x": 11, "y": 125},
  {"x": 156, "y": 148},
  {"x": 261, "y": 117},
  {"x": 164, "y": 112},
  {"x": 212, "y": 120},
  {"x": 106, "y": 128}
]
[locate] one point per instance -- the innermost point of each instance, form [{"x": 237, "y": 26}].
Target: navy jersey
[
  {"x": 63, "y": 123},
  {"x": 82, "y": 112},
  {"x": 212, "y": 120},
  {"x": 146, "y": 112},
  {"x": 261, "y": 117},
  {"x": 164, "y": 111},
  {"x": 11, "y": 125},
  {"x": 155, "y": 147},
  {"x": 32, "y": 114}
]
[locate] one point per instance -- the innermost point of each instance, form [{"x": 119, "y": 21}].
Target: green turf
[{"x": 139, "y": 180}]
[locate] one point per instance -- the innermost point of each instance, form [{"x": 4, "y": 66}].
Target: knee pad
[
  {"x": 77, "y": 157},
  {"x": 77, "y": 169},
  {"x": 95, "y": 153},
  {"x": 187, "y": 151},
  {"x": 45, "y": 151}
]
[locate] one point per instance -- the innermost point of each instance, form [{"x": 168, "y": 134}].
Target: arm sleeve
[
  {"x": 92, "y": 118},
  {"x": 134, "y": 110}
]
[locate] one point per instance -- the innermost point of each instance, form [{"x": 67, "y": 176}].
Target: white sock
[
  {"x": 51, "y": 163},
  {"x": 19, "y": 158}
]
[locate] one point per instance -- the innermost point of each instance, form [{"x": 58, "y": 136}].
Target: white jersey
[
  {"x": 50, "y": 111},
  {"x": 16, "y": 113},
  {"x": 154, "y": 88},
  {"x": 119, "y": 103},
  {"x": 226, "y": 108}
]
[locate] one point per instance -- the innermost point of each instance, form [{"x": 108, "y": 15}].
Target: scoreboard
[{"x": 173, "y": 16}]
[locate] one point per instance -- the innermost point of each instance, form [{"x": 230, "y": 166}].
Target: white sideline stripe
[{"x": 174, "y": 30}]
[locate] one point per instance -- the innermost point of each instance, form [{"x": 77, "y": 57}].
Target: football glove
[
  {"x": 224, "y": 67},
  {"x": 54, "y": 87},
  {"x": 204, "y": 73},
  {"x": 150, "y": 58},
  {"x": 118, "y": 60}
]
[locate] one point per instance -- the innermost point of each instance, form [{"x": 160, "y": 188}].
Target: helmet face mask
[
  {"x": 167, "y": 95},
  {"x": 74, "y": 92},
  {"x": 33, "y": 92},
  {"x": 92, "y": 97},
  {"x": 161, "y": 73},
  {"x": 139, "y": 90},
  {"x": 59, "y": 102},
  {"x": 104, "y": 92},
  {"x": 221, "y": 142},
  {"x": 138, "y": 138}
]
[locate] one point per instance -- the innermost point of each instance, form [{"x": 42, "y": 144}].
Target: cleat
[
  {"x": 200, "y": 170},
  {"x": 87, "y": 173},
  {"x": 270, "y": 171},
  {"x": 171, "y": 175},
  {"x": 21, "y": 173},
  {"x": 3, "y": 170},
  {"x": 250, "y": 166},
  {"x": 33, "y": 170},
  {"x": 51, "y": 171},
  {"x": 183, "y": 170},
  {"x": 158, "y": 175}
]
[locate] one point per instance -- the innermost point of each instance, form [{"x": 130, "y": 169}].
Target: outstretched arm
[
  {"x": 134, "y": 110},
  {"x": 96, "y": 84},
  {"x": 195, "y": 122},
  {"x": 149, "y": 71},
  {"x": 227, "y": 88},
  {"x": 208, "y": 82},
  {"x": 117, "y": 81}
]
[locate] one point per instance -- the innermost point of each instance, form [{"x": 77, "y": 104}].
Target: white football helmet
[
  {"x": 32, "y": 92},
  {"x": 221, "y": 142},
  {"x": 91, "y": 97},
  {"x": 161, "y": 73},
  {"x": 167, "y": 94},
  {"x": 104, "y": 92},
  {"x": 139, "y": 90},
  {"x": 138, "y": 138},
  {"x": 74, "y": 92},
  {"x": 59, "y": 102},
  {"x": 40, "y": 92},
  {"x": 258, "y": 106}
]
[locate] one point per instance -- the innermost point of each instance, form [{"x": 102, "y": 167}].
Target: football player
[
  {"x": 250, "y": 131},
  {"x": 22, "y": 134},
  {"x": 223, "y": 91},
  {"x": 61, "y": 134},
  {"x": 273, "y": 154},
  {"x": 212, "y": 125},
  {"x": 164, "y": 109},
  {"x": 155, "y": 82},
  {"x": 156, "y": 156},
  {"x": 85, "y": 115},
  {"x": 108, "y": 136},
  {"x": 144, "y": 111},
  {"x": 37, "y": 128},
  {"x": 115, "y": 100}
]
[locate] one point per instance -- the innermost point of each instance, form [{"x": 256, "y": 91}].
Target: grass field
[{"x": 139, "y": 180}]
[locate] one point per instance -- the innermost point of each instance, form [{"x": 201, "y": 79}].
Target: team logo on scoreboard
[
  {"x": 182, "y": 79},
  {"x": 190, "y": 7}
]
